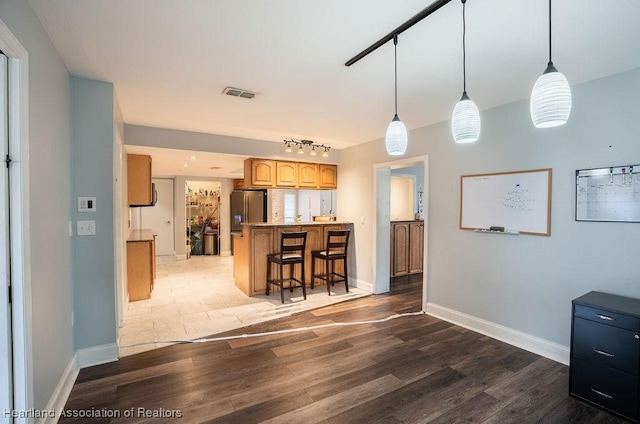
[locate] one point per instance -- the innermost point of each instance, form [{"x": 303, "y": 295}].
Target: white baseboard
[
  {"x": 225, "y": 253},
  {"x": 61, "y": 393},
  {"x": 97, "y": 355},
  {"x": 181, "y": 257},
  {"x": 516, "y": 338},
  {"x": 364, "y": 285}
]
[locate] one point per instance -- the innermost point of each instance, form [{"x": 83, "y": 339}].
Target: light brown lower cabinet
[
  {"x": 407, "y": 247},
  {"x": 251, "y": 248},
  {"x": 141, "y": 271}
]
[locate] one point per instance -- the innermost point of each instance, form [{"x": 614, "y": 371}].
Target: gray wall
[
  {"x": 50, "y": 196},
  {"x": 522, "y": 282},
  {"x": 94, "y": 285},
  {"x": 187, "y": 140}
]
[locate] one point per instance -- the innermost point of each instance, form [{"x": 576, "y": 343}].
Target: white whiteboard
[
  {"x": 608, "y": 194},
  {"x": 518, "y": 201}
]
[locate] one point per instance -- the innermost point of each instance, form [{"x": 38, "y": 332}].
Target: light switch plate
[
  {"x": 86, "y": 204},
  {"x": 86, "y": 228}
]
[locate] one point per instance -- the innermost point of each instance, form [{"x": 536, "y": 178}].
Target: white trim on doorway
[
  {"x": 382, "y": 175},
  {"x": 20, "y": 228}
]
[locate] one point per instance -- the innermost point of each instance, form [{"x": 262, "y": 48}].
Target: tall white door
[
  {"x": 6, "y": 379},
  {"x": 159, "y": 218}
]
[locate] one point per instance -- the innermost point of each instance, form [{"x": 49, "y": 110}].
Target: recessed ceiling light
[
  {"x": 193, "y": 158},
  {"x": 184, "y": 165}
]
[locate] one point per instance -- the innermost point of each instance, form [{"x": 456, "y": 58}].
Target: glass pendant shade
[
  {"x": 550, "y": 99},
  {"x": 396, "y": 138},
  {"x": 465, "y": 121}
]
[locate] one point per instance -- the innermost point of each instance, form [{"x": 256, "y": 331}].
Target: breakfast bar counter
[{"x": 257, "y": 240}]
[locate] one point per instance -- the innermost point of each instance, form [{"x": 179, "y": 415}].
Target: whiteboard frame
[
  {"x": 607, "y": 170},
  {"x": 546, "y": 173}
]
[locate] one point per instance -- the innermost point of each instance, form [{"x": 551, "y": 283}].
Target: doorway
[{"x": 383, "y": 175}]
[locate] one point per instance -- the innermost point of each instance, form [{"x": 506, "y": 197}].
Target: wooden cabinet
[
  {"x": 307, "y": 175},
  {"x": 407, "y": 247},
  {"x": 327, "y": 176},
  {"x": 251, "y": 249},
  {"x": 605, "y": 353},
  {"x": 238, "y": 183},
  {"x": 259, "y": 173},
  {"x": 263, "y": 173},
  {"x": 286, "y": 174},
  {"x": 140, "y": 271},
  {"x": 139, "y": 188}
]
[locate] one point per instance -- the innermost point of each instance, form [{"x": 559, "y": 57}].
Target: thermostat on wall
[{"x": 86, "y": 204}]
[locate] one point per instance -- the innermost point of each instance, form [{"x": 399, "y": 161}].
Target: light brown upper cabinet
[
  {"x": 307, "y": 175},
  {"x": 263, "y": 173},
  {"x": 259, "y": 173},
  {"x": 139, "y": 188},
  {"x": 328, "y": 176},
  {"x": 286, "y": 174},
  {"x": 238, "y": 183}
]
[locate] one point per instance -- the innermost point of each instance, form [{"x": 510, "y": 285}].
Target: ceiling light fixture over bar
[
  {"x": 306, "y": 143},
  {"x": 402, "y": 28}
]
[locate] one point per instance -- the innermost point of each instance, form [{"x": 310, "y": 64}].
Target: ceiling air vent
[{"x": 239, "y": 92}]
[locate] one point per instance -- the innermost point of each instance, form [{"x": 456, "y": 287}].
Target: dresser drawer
[
  {"x": 607, "y": 317},
  {"x": 606, "y": 345},
  {"x": 608, "y": 388}
]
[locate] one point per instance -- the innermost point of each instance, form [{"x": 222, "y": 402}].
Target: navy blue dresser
[{"x": 605, "y": 352}]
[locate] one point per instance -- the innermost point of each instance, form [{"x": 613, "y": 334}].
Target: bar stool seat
[
  {"x": 292, "y": 246},
  {"x": 335, "y": 250}
]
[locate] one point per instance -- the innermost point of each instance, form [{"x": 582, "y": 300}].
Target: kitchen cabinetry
[
  {"x": 307, "y": 175},
  {"x": 256, "y": 241},
  {"x": 263, "y": 173},
  {"x": 140, "y": 264},
  {"x": 259, "y": 173},
  {"x": 407, "y": 247},
  {"x": 286, "y": 174},
  {"x": 328, "y": 176},
  {"x": 139, "y": 187},
  {"x": 238, "y": 184},
  {"x": 605, "y": 353}
]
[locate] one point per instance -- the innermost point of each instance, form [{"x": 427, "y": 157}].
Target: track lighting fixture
[{"x": 302, "y": 144}]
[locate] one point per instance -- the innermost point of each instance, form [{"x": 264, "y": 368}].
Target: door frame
[
  {"x": 382, "y": 196},
  {"x": 19, "y": 213}
]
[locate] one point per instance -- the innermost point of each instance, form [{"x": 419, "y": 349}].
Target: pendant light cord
[
  {"x": 550, "y": 62},
  {"x": 464, "y": 48},
  {"x": 395, "y": 61}
]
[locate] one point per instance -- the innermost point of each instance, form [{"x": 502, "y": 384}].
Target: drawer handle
[
  {"x": 598, "y": 392},
  {"x": 602, "y": 352},
  {"x": 605, "y": 317}
]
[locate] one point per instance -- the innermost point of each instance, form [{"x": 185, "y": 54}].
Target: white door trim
[
  {"x": 382, "y": 175},
  {"x": 20, "y": 211}
]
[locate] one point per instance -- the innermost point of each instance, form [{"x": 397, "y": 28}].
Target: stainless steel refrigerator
[{"x": 247, "y": 206}]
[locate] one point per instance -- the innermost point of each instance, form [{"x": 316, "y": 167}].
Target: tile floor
[{"x": 195, "y": 298}]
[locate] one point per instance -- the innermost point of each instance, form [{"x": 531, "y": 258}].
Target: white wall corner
[
  {"x": 61, "y": 393},
  {"x": 97, "y": 355},
  {"x": 537, "y": 345}
]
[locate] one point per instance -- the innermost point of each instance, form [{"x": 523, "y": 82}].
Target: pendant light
[
  {"x": 551, "y": 96},
  {"x": 396, "y": 137},
  {"x": 465, "y": 119}
]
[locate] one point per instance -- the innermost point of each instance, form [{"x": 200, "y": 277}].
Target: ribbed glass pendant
[
  {"x": 396, "y": 137},
  {"x": 550, "y": 99},
  {"x": 465, "y": 121}
]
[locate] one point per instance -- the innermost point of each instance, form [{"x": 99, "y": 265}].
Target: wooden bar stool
[
  {"x": 292, "y": 245},
  {"x": 336, "y": 249}
]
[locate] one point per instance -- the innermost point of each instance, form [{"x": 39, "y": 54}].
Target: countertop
[
  {"x": 140, "y": 235},
  {"x": 294, "y": 224}
]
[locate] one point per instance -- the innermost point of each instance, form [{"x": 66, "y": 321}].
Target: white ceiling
[{"x": 170, "y": 60}]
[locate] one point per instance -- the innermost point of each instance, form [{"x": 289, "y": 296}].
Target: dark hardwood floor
[{"x": 414, "y": 369}]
